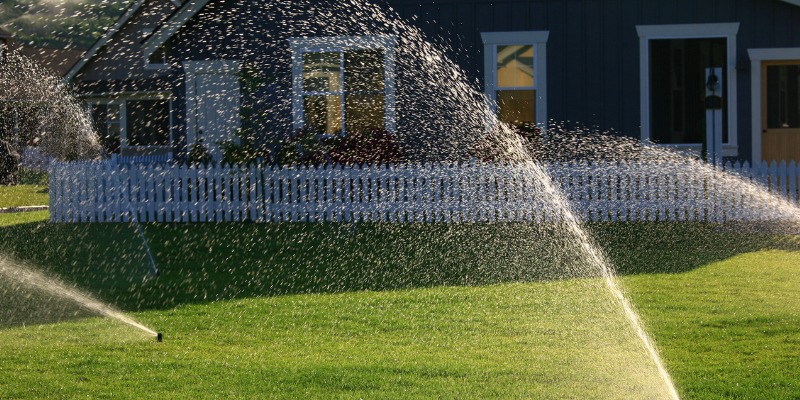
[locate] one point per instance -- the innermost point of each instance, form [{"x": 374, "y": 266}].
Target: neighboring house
[
  {"x": 55, "y": 60},
  {"x": 22, "y": 117},
  {"x": 718, "y": 76}
]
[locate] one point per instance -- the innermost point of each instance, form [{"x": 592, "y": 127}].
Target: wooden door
[{"x": 780, "y": 111}]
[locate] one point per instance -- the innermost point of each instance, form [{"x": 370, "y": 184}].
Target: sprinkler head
[{"x": 159, "y": 337}]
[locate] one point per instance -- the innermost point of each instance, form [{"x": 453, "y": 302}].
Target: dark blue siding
[{"x": 593, "y": 49}]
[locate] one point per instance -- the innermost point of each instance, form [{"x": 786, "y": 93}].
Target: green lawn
[
  {"x": 398, "y": 311},
  {"x": 730, "y": 329},
  {"x": 23, "y": 195}
]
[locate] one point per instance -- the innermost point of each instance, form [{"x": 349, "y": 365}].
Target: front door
[
  {"x": 780, "y": 111},
  {"x": 212, "y": 103},
  {"x": 679, "y": 112}
]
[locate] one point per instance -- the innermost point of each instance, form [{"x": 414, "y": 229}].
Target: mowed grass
[
  {"x": 730, "y": 329},
  {"x": 23, "y": 195},
  {"x": 411, "y": 311}
]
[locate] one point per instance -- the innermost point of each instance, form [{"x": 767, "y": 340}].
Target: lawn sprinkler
[{"x": 159, "y": 337}]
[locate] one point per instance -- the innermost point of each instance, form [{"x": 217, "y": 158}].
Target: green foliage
[
  {"x": 199, "y": 154},
  {"x": 302, "y": 147},
  {"x": 372, "y": 147},
  {"x": 76, "y": 23},
  {"x": 309, "y": 148},
  {"x": 36, "y": 178},
  {"x": 245, "y": 150}
]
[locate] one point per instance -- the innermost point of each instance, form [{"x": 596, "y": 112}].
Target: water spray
[
  {"x": 154, "y": 268},
  {"x": 31, "y": 278}
]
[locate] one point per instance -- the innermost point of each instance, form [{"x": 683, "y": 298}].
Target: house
[{"x": 716, "y": 77}]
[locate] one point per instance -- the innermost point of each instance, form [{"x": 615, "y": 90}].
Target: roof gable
[
  {"x": 154, "y": 11},
  {"x": 172, "y": 25},
  {"x": 103, "y": 40}
]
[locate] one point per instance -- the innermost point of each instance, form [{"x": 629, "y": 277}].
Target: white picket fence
[{"x": 476, "y": 192}]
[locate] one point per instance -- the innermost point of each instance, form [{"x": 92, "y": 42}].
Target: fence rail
[{"x": 113, "y": 192}]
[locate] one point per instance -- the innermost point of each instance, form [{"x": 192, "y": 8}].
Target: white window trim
[
  {"x": 689, "y": 31},
  {"x": 146, "y": 34},
  {"x": 757, "y": 56},
  {"x": 121, "y": 100},
  {"x": 539, "y": 41},
  {"x": 340, "y": 44}
]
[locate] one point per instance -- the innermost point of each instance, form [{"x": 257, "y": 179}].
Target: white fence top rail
[{"x": 106, "y": 191}]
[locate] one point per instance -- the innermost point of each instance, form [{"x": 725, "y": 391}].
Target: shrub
[{"x": 372, "y": 147}]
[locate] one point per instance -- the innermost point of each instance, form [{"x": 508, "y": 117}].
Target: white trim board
[
  {"x": 689, "y": 31},
  {"x": 757, "y": 56}
]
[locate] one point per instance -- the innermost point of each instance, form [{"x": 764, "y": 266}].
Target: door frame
[
  {"x": 192, "y": 69},
  {"x": 757, "y": 59},
  {"x": 728, "y": 31}
]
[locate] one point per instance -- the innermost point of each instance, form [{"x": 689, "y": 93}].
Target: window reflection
[
  {"x": 515, "y": 66},
  {"x": 336, "y": 99},
  {"x": 783, "y": 96}
]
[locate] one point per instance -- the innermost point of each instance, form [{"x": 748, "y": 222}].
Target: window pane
[
  {"x": 363, "y": 71},
  {"x": 783, "y": 96},
  {"x": 323, "y": 114},
  {"x": 515, "y": 66},
  {"x": 322, "y": 72},
  {"x": 517, "y": 107},
  {"x": 364, "y": 112},
  {"x": 147, "y": 122}
]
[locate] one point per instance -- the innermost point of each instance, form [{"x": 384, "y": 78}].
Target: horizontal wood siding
[{"x": 593, "y": 54}]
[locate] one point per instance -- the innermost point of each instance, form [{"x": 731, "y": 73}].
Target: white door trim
[
  {"x": 689, "y": 31},
  {"x": 757, "y": 56}
]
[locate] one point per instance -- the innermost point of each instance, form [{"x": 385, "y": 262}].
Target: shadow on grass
[{"x": 207, "y": 262}]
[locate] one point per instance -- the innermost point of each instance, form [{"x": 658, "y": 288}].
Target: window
[
  {"x": 147, "y": 122},
  {"x": 516, "y": 76},
  {"x": 106, "y": 118},
  {"x": 343, "y": 84},
  {"x": 132, "y": 124},
  {"x": 676, "y": 62}
]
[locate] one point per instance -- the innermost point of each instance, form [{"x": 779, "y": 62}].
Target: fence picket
[{"x": 472, "y": 192}]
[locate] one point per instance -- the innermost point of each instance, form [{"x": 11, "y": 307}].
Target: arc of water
[
  {"x": 31, "y": 278},
  {"x": 596, "y": 257}
]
